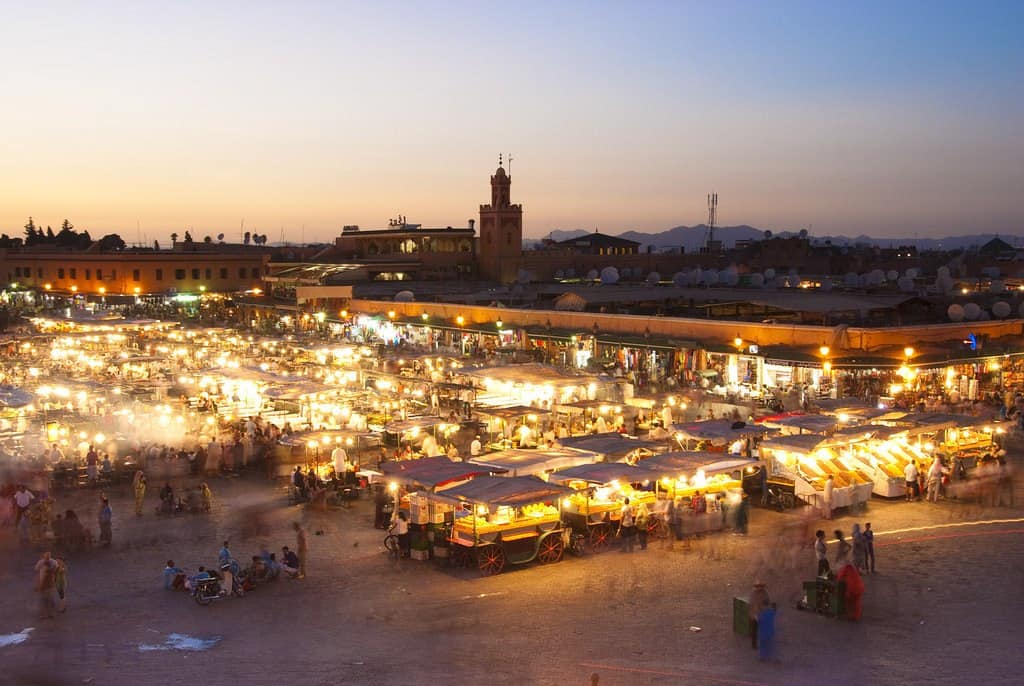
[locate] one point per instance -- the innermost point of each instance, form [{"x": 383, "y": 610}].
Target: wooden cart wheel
[
  {"x": 461, "y": 556},
  {"x": 490, "y": 559},
  {"x": 600, "y": 535},
  {"x": 550, "y": 549}
]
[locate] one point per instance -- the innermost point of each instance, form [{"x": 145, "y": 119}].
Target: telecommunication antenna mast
[{"x": 712, "y": 246}]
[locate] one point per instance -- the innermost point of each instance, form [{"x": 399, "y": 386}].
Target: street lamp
[
  {"x": 738, "y": 342},
  {"x": 824, "y": 350},
  {"x": 499, "y": 324},
  {"x": 908, "y": 352}
]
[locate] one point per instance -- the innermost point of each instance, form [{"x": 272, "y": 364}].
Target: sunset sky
[{"x": 883, "y": 118}]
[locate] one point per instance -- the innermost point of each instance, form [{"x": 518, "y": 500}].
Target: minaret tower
[{"x": 500, "y": 248}]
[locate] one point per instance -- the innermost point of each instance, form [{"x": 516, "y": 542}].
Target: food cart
[
  {"x": 719, "y": 435},
  {"x": 595, "y": 507},
  {"x": 683, "y": 476},
  {"x": 429, "y": 474},
  {"x": 501, "y": 520},
  {"x": 962, "y": 437},
  {"x": 806, "y": 460}
]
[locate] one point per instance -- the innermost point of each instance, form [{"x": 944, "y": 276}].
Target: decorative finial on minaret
[
  {"x": 510, "y": 164},
  {"x": 499, "y": 159}
]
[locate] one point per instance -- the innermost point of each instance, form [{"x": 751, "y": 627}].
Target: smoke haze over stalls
[{"x": 887, "y": 119}]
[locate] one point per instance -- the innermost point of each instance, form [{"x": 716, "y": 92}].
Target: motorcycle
[{"x": 205, "y": 591}]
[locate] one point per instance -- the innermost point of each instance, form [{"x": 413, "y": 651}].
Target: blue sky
[{"x": 890, "y": 119}]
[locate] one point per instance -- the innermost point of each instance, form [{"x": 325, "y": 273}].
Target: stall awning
[
  {"x": 513, "y": 491},
  {"x": 927, "y": 423},
  {"x": 718, "y": 430},
  {"x": 799, "y": 443},
  {"x": 602, "y": 473},
  {"x": 522, "y": 462},
  {"x": 511, "y": 412},
  {"x": 609, "y": 446},
  {"x": 675, "y": 463},
  {"x": 421, "y": 423},
  {"x": 811, "y": 423},
  {"x": 431, "y": 472}
]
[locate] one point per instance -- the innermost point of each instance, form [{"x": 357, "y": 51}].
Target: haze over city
[{"x": 868, "y": 119}]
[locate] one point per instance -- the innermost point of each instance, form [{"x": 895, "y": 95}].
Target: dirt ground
[{"x": 944, "y": 607}]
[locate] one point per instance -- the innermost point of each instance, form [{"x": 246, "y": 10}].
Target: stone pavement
[{"x": 942, "y": 609}]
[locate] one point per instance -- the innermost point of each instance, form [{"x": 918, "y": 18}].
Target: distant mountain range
[{"x": 691, "y": 238}]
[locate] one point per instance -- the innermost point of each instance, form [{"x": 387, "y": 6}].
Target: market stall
[
  {"x": 513, "y": 426},
  {"x": 719, "y": 435},
  {"x": 703, "y": 486},
  {"x": 807, "y": 460},
  {"x": 600, "y": 490},
  {"x": 408, "y": 480},
  {"x": 504, "y": 520}
]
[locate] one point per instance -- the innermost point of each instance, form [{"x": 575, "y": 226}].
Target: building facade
[{"x": 138, "y": 272}]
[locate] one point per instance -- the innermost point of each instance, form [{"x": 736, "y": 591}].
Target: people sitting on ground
[
  {"x": 201, "y": 575},
  {"x": 167, "y": 499},
  {"x": 273, "y": 567},
  {"x": 106, "y": 467},
  {"x": 289, "y": 562},
  {"x": 194, "y": 500},
  {"x": 174, "y": 577}
]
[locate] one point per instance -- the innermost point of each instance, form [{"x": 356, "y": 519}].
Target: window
[
  {"x": 159, "y": 274},
  {"x": 88, "y": 274},
  {"x": 60, "y": 272},
  {"x": 17, "y": 271},
  {"x": 209, "y": 273},
  {"x": 99, "y": 274},
  {"x": 195, "y": 273},
  {"x": 179, "y": 274},
  {"x": 39, "y": 272},
  {"x": 508, "y": 238},
  {"x": 74, "y": 273},
  {"x": 223, "y": 272},
  {"x": 113, "y": 275},
  {"x": 241, "y": 272},
  {"x": 135, "y": 275},
  {"x": 255, "y": 272}
]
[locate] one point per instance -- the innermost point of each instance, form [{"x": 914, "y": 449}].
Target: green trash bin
[
  {"x": 741, "y": 616},
  {"x": 825, "y": 596}
]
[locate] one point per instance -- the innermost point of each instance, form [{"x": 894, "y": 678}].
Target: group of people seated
[
  {"x": 264, "y": 567},
  {"x": 196, "y": 499}
]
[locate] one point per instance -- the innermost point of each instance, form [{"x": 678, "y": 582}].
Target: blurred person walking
[
  {"x": 869, "y": 548},
  {"x": 626, "y": 526},
  {"x": 821, "y": 552},
  {"x": 60, "y": 583},
  {"x": 859, "y": 551},
  {"x": 300, "y": 548},
  {"x": 830, "y": 485},
  {"x": 642, "y": 517},
  {"x": 106, "y": 518},
  {"x": 139, "y": 486},
  {"x": 842, "y": 549},
  {"x": 45, "y": 572},
  {"x": 759, "y": 600},
  {"x": 854, "y": 589}
]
